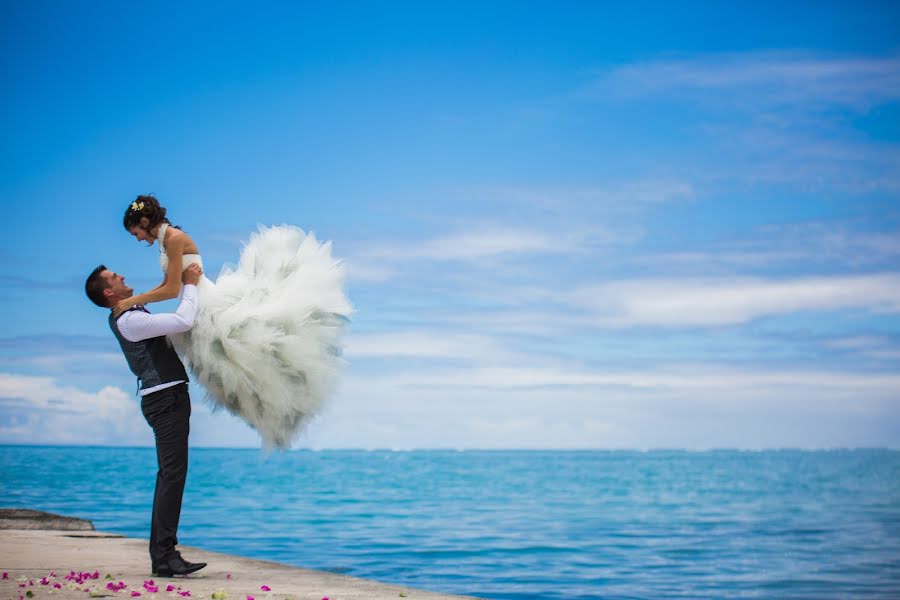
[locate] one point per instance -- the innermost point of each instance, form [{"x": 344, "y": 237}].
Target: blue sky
[{"x": 565, "y": 225}]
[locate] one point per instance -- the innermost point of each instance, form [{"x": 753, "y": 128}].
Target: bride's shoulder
[{"x": 180, "y": 238}]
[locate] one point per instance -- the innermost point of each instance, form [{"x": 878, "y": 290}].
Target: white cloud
[
  {"x": 856, "y": 342},
  {"x": 685, "y": 406},
  {"x": 879, "y": 347},
  {"x": 799, "y": 243},
  {"x": 784, "y": 118},
  {"x": 40, "y": 410},
  {"x": 821, "y": 153},
  {"x": 60, "y": 362},
  {"x": 573, "y": 220},
  {"x": 463, "y": 246},
  {"x": 560, "y": 200},
  {"x": 217, "y": 428},
  {"x": 363, "y": 270},
  {"x": 731, "y": 301},
  {"x": 831, "y": 242},
  {"x": 687, "y": 302},
  {"x": 767, "y": 78},
  {"x": 684, "y": 378},
  {"x": 427, "y": 344},
  {"x": 381, "y": 261},
  {"x": 475, "y": 245},
  {"x": 550, "y": 322}
]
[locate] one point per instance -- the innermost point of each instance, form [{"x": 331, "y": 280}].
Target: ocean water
[{"x": 514, "y": 524}]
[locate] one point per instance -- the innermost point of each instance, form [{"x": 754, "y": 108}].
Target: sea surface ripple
[{"x": 511, "y": 525}]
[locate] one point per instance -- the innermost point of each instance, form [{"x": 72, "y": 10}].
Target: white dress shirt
[{"x": 137, "y": 325}]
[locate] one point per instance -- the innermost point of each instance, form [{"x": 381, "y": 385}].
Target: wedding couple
[{"x": 264, "y": 340}]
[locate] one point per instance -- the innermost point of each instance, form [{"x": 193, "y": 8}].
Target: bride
[{"x": 266, "y": 339}]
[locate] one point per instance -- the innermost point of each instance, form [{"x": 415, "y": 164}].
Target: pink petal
[
  {"x": 250, "y": 598},
  {"x": 170, "y": 588},
  {"x": 135, "y": 594},
  {"x": 265, "y": 588}
]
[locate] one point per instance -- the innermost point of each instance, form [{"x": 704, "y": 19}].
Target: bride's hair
[{"x": 145, "y": 206}]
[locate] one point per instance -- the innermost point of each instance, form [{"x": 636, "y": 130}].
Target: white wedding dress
[{"x": 266, "y": 338}]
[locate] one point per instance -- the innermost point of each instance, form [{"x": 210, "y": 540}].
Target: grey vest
[{"x": 152, "y": 360}]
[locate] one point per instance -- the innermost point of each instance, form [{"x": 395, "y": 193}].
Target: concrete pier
[{"x": 39, "y": 552}]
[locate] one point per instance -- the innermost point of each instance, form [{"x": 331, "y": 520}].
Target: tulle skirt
[{"x": 266, "y": 341}]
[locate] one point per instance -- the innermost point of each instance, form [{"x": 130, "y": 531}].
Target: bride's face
[{"x": 142, "y": 235}]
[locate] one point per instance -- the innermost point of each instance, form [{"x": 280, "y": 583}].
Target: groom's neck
[{"x": 114, "y": 299}]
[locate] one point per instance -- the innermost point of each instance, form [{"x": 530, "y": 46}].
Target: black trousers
[{"x": 168, "y": 412}]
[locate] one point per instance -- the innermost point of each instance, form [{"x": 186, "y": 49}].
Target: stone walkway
[{"x": 76, "y": 562}]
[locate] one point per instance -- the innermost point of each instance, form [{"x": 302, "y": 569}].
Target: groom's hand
[{"x": 191, "y": 275}]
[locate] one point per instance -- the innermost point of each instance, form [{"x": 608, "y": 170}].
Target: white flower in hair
[{"x": 137, "y": 206}]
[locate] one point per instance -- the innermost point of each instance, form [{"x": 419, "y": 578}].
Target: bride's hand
[
  {"x": 192, "y": 274},
  {"x": 122, "y": 305}
]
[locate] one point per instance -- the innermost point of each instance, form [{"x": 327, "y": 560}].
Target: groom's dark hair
[{"x": 94, "y": 287}]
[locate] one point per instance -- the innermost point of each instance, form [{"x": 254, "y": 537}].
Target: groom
[{"x": 164, "y": 400}]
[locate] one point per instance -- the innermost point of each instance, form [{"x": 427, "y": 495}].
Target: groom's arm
[{"x": 137, "y": 325}]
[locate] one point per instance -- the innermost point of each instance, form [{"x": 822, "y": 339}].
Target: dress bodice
[{"x": 186, "y": 259}]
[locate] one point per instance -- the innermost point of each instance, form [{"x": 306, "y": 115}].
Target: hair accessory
[{"x": 136, "y": 206}]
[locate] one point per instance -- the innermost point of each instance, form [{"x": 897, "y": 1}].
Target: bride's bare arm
[
  {"x": 171, "y": 283},
  {"x": 161, "y": 285}
]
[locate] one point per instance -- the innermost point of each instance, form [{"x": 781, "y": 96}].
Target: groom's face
[{"x": 115, "y": 286}]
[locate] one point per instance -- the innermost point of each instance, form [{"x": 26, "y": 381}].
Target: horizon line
[{"x": 478, "y": 449}]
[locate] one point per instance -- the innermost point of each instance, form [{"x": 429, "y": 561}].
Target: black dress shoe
[{"x": 176, "y": 567}]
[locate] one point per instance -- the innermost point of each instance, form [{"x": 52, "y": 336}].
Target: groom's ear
[{"x": 108, "y": 294}]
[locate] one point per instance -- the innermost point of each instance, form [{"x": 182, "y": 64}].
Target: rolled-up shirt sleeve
[{"x": 137, "y": 325}]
